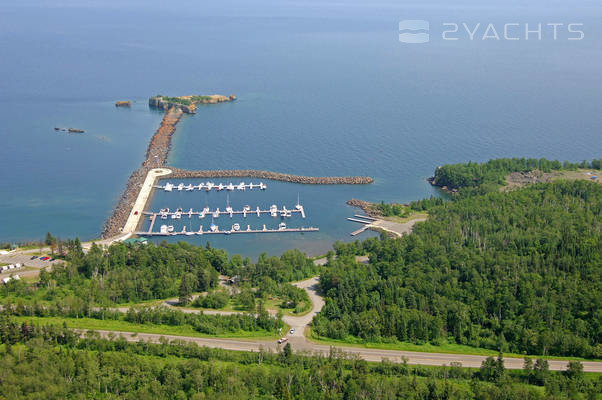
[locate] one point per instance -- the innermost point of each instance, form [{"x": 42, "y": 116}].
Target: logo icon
[{"x": 414, "y": 31}]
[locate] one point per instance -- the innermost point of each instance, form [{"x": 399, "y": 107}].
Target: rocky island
[{"x": 187, "y": 103}]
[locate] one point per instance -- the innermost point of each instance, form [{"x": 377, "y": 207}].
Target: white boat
[
  {"x": 170, "y": 228},
  {"x": 248, "y": 227},
  {"x": 283, "y": 212},
  {"x": 230, "y": 186},
  {"x": 200, "y": 232},
  {"x": 247, "y": 208},
  {"x": 229, "y": 210},
  {"x": 209, "y": 186},
  {"x": 200, "y": 186},
  {"x": 214, "y": 228},
  {"x": 216, "y": 213},
  {"x": 220, "y": 187},
  {"x": 180, "y": 187},
  {"x": 236, "y": 227},
  {"x": 289, "y": 213},
  {"x": 202, "y": 215},
  {"x": 241, "y": 186},
  {"x": 262, "y": 186},
  {"x": 274, "y": 210},
  {"x": 168, "y": 187},
  {"x": 282, "y": 226},
  {"x": 264, "y": 228},
  {"x": 189, "y": 188}
]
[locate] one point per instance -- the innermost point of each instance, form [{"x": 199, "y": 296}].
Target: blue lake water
[{"x": 324, "y": 88}]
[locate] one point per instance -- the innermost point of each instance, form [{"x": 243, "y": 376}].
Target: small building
[{"x": 133, "y": 241}]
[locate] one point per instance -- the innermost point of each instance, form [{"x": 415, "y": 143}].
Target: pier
[
  {"x": 207, "y": 212},
  {"x": 367, "y": 221},
  {"x": 217, "y": 231},
  {"x": 208, "y": 186},
  {"x": 358, "y": 220}
]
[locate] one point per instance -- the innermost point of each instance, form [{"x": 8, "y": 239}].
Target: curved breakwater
[{"x": 156, "y": 157}]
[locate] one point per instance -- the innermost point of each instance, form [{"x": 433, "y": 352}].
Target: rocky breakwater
[
  {"x": 156, "y": 156},
  {"x": 277, "y": 176}
]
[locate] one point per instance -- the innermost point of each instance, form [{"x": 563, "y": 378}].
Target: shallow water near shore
[{"x": 323, "y": 89}]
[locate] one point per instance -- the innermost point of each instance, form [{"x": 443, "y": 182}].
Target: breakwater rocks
[
  {"x": 187, "y": 103},
  {"x": 156, "y": 156},
  {"x": 365, "y": 206},
  {"x": 252, "y": 173}
]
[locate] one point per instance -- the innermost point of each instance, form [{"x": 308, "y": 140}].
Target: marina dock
[
  {"x": 274, "y": 211},
  {"x": 362, "y": 229},
  {"x": 358, "y": 220},
  {"x": 208, "y": 186},
  {"x": 367, "y": 221},
  {"x": 217, "y": 231}
]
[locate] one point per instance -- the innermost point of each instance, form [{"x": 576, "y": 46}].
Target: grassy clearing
[
  {"x": 124, "y": 326},
  {"x": 447, "y": 348},
  {"x": 584, "y": 174},
  {"x": 411, "y": 217}
]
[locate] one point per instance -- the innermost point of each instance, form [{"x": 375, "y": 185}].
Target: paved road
[
  {"x": 301, "y": 343},
  {"x": 147, "y": 188},
  {"x": 300, "y": 323}
]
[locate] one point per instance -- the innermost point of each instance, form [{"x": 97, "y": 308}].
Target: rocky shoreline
[
  {"x": 156, "y": 157},
  {"x": 365, "y": 206}
]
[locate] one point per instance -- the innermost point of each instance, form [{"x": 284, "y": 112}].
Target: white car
[{"x": 292, "y": 331}]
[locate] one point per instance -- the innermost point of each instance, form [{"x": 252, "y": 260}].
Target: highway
[{"x": 301, "y": 344}]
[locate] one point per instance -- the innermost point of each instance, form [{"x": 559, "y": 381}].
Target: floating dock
[
  {"x": 209, "y": 186},
  {"x": 274, "y": 211},
  {"x": 365, "y": 217},
  {"x": 362, "y": 229},
  {"x": 358, "y": 220},
  {"x": 216, "y": 231},
  {"x": 366, "y": 221}
]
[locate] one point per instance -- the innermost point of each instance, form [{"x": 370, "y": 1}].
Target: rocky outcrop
[
  {"x": 187, "y": 103},
  {"x": 365, "y": 206}
]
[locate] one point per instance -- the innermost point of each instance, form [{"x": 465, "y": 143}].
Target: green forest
[
  {"x": 491, "y": 174},
  {"x": 517, "y": 271},
  {"x": 51, "y": 362}
]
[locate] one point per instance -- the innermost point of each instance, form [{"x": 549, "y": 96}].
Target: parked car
[
  {"x": 33, "y": 257},
  {"x": 282, "y": 340},
  {"x": 292, "y": 331}
]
